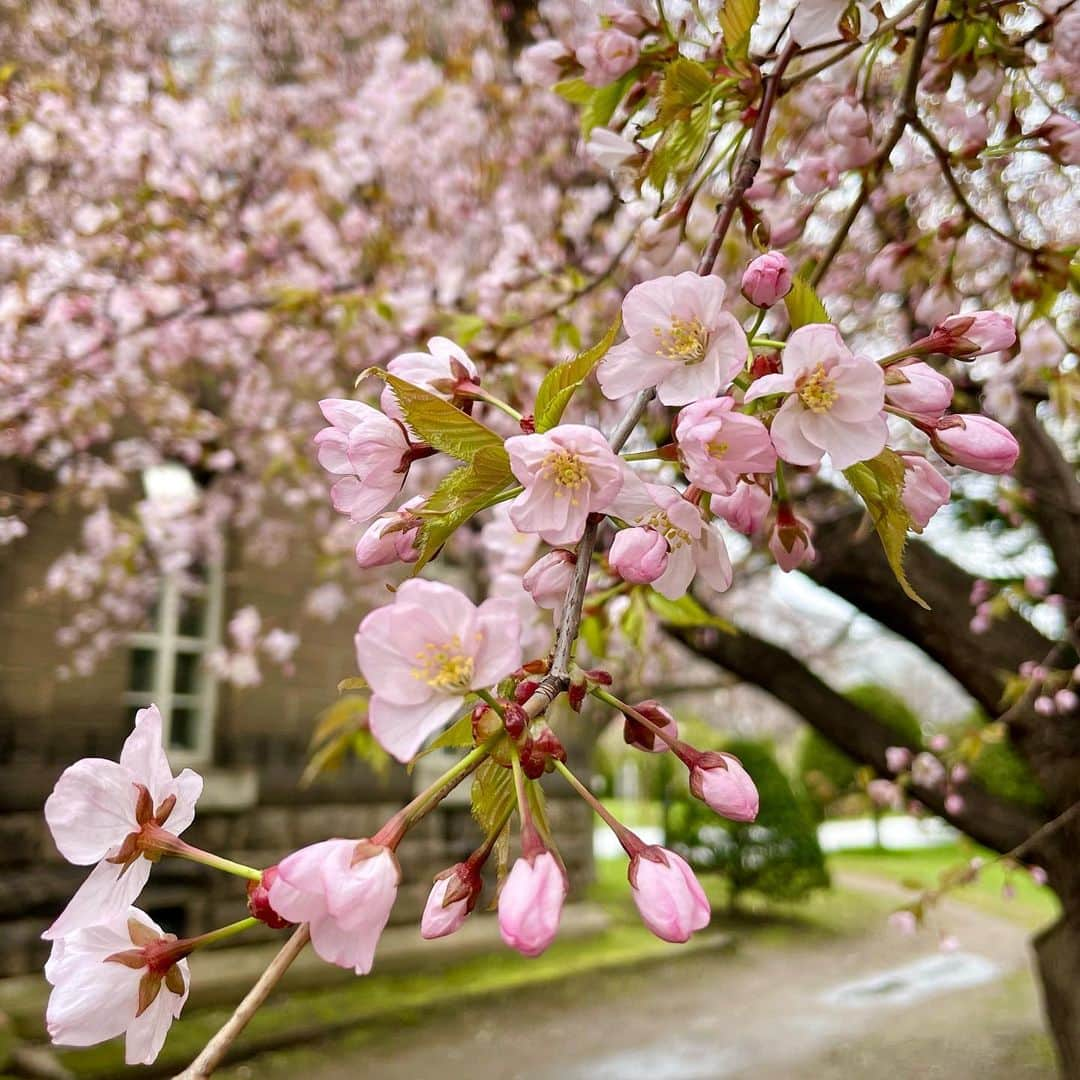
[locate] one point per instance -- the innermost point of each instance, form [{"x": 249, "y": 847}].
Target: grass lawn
[{"x": 1032, "y": 905}]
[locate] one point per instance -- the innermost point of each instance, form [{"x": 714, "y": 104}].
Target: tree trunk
[{"x": 1057, "y": 950}]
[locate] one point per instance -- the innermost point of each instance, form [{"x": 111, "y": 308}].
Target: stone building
[{"x": 251, "y": 745}]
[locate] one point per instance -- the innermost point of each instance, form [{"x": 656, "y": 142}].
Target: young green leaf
[
  {"x": 602, "y": 105},
  {"x": 438, "y": 423},
  {"x": 804, "y": 306},
  {"x": 737, "y": 18},
  {"x": 685, "y": 612},
  {"x": 492, "y": 795},
  {"x": 561, "y": 383},
  {"x": 879, "y": 483}
]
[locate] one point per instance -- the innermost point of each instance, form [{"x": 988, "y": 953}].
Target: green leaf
[
  {"x": 633, "y": 621},
  {"x": 439, "y": 424},
  {"x": 737, "y": 18},
  {"x": 458, "y": 496},
  {"x": 879, "y": 483},
  {"x": 605, "y": 100},
  {"x": 576, "y": 91},
  {"x": 594, "y": 632},
  {"x": 492, "y": 795},
  {"x": 803, "y": 305},
  {"x": 561, "y": 383},
  {"x": 686, "y": 612},
  {"x": 686, "y": 82}
]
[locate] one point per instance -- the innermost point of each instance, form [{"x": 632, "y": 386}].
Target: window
[{"x": 167, "y": 658}]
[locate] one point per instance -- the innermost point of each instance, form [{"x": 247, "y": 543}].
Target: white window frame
[{"x": 166, "y": 642}]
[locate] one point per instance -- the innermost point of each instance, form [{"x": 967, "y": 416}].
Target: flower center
[
  {"x": 565, "y": 469},
  {"x": 684, "y": 339},
  {"x": 674, "y": 536},
  {"x": 817, "y": 391},
  {"x": 717, "y": 449},
  {"x": 445, "y": 667}
]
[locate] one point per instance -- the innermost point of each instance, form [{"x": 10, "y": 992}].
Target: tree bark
[{"x": 1057, "y": 950}]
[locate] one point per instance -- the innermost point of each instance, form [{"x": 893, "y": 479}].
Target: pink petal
[
  {"x": 818, "y": 343},
  {"x": 788, "y": 438},
  {"x": 678, "y": 574},
  {"x": 332, "y": 450},
  {"x": 143, "y": 754},
  {"x": 845, "y": 442},
  {"x": 146, "y": 1034},
  {"x": 388, "y": 644},
  {"x": 187, "y": 787},
  {"x": 713, "y": 561},
  {"x": 499, "y": 651},
  {"x": 402, "y": 729},
  {"x": 685, "y": 383},
  {"x": 105, "y": 894},
  {"x": 448, "y": 608},
  {"x": 780, "y": 383},
  {"x": 91, "y": 809},
  {"x": 648, "y": 305},
  {"x": 629, "y": 367}
]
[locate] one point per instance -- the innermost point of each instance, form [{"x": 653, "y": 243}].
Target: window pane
[
  {"x": 143, "y": 662},
  {"x": 182, "y": 729},
  {"x": 192, "y": 611},
  {"x": 186, "y": 673}
]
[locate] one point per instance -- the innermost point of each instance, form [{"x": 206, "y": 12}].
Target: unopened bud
[
  {"x": 525, "y": 690},
  {"x": 258, "y": 900},
  {"x": 515, "y": 720},
  {"x": 639, "y": 735},
  {"x": 576, "y": 696}
]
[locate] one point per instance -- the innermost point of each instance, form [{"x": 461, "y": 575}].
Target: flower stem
[
  {"x": 497, "y": 403},
  {"x": 168, "y": 844},
  {"x": 628, "y": 710},
  {"x": 437, "y": 791},
  {"x": 767, "y": 343},
  {"x": 488, "y": 698},
  {"x": 223, "y": 932},
  {"x": 630, "y": 841},
  {"x": 645, "y": 455}
]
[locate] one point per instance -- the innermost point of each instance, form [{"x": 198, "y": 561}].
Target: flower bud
[
  {"x": 976, "y": 442},
  {"x": 790, "y": 542},
  {"x": 927, "y": 771},
  {"x": 967, "y": 336},
  {"x": 925, "y": 490},
  {"x": 547, "y": 580},
  {"x": 745, "y": 509},
  {"x": 720, "y": 781},
  {"x": 531, "y": 903},
  {"x": 525, "y": 690},
  {"x": 607, "y": 55},
  {"x": 258, "y": 900},
  {"x": 452, "y": 897},
  {"x": 917, "y": 388},
  {"x": 1062, "y": 135},
  {"x": 767, "y": 279},
  {"x": 897, "y": 758},
  {"x": 638, "y": 555},
  {"x": 515, "y": 719},
  {"x": 637, "y": 734},
  {"x": 668, "y": 896}
]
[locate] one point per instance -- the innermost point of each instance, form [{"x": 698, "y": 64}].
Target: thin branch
[{"x": 216, "y": 1049}]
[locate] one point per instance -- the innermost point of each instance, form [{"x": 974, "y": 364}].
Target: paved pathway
[{"x": 867, "y": 1006}]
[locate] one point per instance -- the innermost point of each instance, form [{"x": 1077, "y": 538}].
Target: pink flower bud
[
  {"x": 927, "y": 771},
  {"x": 547, "y": 580},
  {"x": 1063, "y": 137},
  {"x": 1038, "y": 875},
  {"x": 531, "y": 903},
  {"x": 544, "y": 63},
  {"x": 917, "y": 388},
  {"x": 720, "y": 781},
  {"x": 668, "y": 896},
  {"x": 452, "y": 897},
  {"x": 258, "y": 901},
  {"x": 904, "y": 921},
  {"x": 1066, "y": 701},
  {"x": 960, "y": 773},
  {"x": 745, "y": 509},
  {"x": 637, "y": 734},
  {"x": 767, "y": 279},
  {"x": 607, "y": 55},
  {"x": 954, "y": 804},
  {"x": 790, "y": 541},
  {"x": 970, "y": 335},
  {"x": 897, "y": 758},
  {"x": 638, "y": 555},
  {"x": 939, "y": 743},
  {"x": 976, "y": 442},
  {"x": 884, "y": 793},
  {"x": 925, "y": 490},
  {"x": 1044, "y": 705}
]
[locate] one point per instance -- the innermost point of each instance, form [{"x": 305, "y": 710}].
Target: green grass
[{"x": 1032, "y": 906}]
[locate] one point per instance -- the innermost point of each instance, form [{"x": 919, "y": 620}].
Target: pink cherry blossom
[
  {"x": 833, "y": 404},
  {"x": 103, "y": 812},
  {"x": 976, "y": 442},
  {"x": 693, "y": 545},
  {"x": 531, "y": 903},
  {"x": 669, "y": 898},
  {"x": 607, "y": 55},
  {"x": 745, "y": 509},
  {"x": 611, "y": 151},
  {"x": 344, "y": 890},
  {"x": 925, "y": 490},
  {"x": 639, "y": 555},
  {"x": 767, "y": 279},
  {"x": 369, "y": 450},
  {"x": 971, "y": 334},
  {"x": 717, "y": 444},
  {"x": 452, "y": 897},
  {"x": 720, "y": 780},
  {"x": 543, "y": 64},
  {"x": 547, "y": 580},
  {"x": 680, "y": 341},
  {"x": 897, "y": 758},
  {"x": 904, "y": 921},
  {"x": 1062, "y": 135},
  {"x": 102, "y": 988},
  {"x": 791, "y": 540},
  {"x": 424, "y": 652},
  {"x": 568, "y": 473},
  {"x": 391, "y": 538},
  {"x": 441, "y": 370},
  {"x": 918, "y": 389}
]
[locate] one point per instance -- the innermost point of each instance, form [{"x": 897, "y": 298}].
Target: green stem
[
  {"x": 496, "y": 403},
  {"x": 194, "y": 854},
  {"x": 489, "y": 698},
  {"x": 434, "y": 794},
  {"x": 616, "y": 826},
  {"x": 766, "y": 343},
  {"x": 762, "y": 312},
  {"x": 223, "y": 932},
  {"x": 781, "y": 483},
  {"x": 644, "y": 455},
  {"x": 506, "y": 496}
]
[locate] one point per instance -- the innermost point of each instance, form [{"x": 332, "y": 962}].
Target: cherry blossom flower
[
  {"x": 568, "y": 473},
  {"x": 531, "y": 903},
  {"x": 972, "y": 334},
  {"x": 669, "y": 898},
  {"x": 693, "y": 545},
  {"x": 391, "y": 538},
  {"x": 680, "y": 341},
  {"x": 833, "y": 404},
  {"x": 344, "y": 890},
  {"x": 370, "y": 452},
  {"x": 543, "y": 64},
  {"x": 767, "y": 279},
  {"x": 976, "y": 442},
  {"x": 925, "y": 490},
  {"x": 611, "y": 151},
  {"x": 917, "y": 389},
  {"x": 720, "y": 780},
  {"x": 745, "y": 509},
  {"x": 114, "y": 814},
  {"x": 424, "y": 652},
  {"x": 816, "y": 21},
  {"x": 116, "y": 977},
  {"x": 607, "y": 55},
  {"x": 639, "y": 555},
  {"x": 547, "y": 580},
  {"x": 442, "y": 370},
  {"x": 717, "y": 444}
]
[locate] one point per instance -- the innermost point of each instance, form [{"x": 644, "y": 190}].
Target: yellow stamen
[
  {"x": 674, "y": 536},
  {"x": 816, "y": 390},
  {"x": 717, "y": 449},
  {"x": 685, "y": 339},
  {"x": 445, "y": 667},
  {"x": 566, "y": 470}
]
